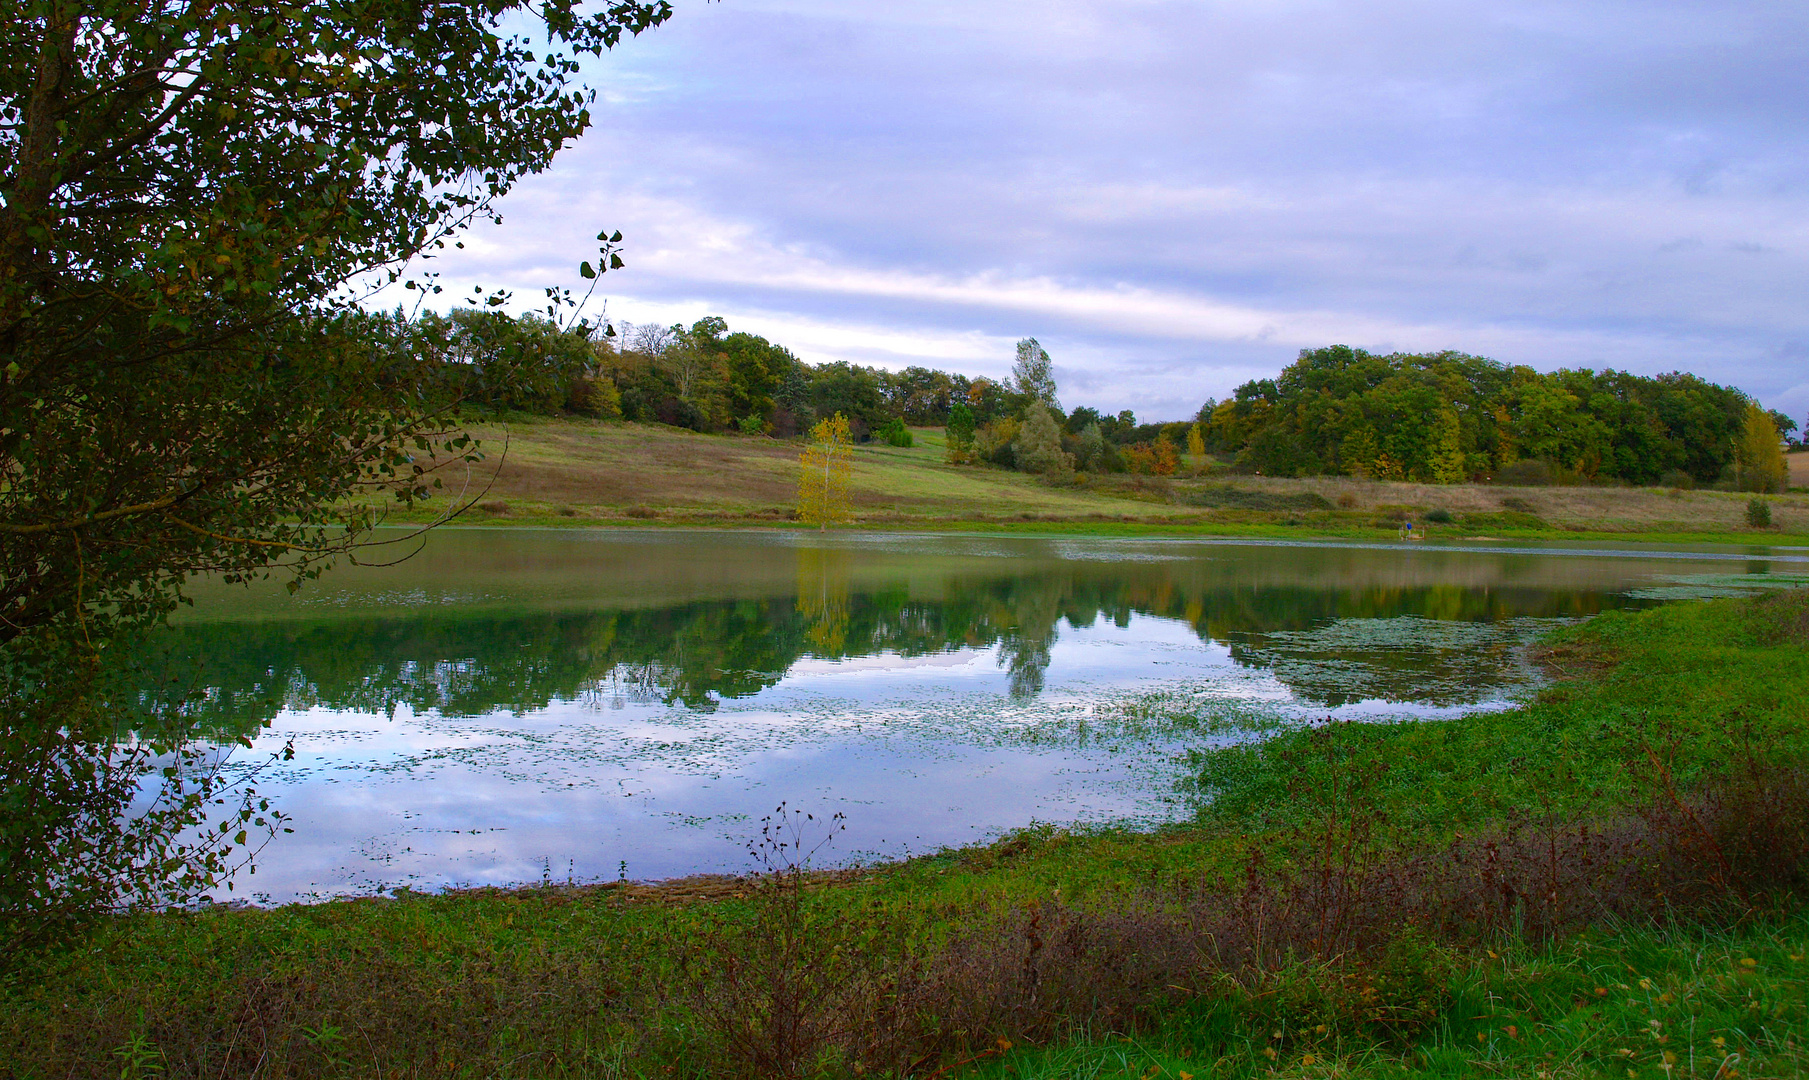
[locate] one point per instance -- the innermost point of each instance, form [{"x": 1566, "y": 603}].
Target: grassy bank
[
  {"x": 1600, "y": 882},
  {"x": 576, "y": 472}
]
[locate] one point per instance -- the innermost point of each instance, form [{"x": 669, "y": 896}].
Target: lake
[{"x": 511, "y": 706}]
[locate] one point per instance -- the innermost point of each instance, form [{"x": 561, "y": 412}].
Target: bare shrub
[{"x": 788, "y": 985}]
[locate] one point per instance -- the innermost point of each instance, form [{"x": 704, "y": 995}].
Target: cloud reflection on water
[{"x": 637, "y": 701}]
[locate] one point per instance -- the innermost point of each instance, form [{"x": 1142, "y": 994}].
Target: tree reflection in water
[{"x": 469, "y": 662}]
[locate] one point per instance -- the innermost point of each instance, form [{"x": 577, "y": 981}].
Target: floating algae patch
[
  {"x": 1715, "y": 586},
  {"x": 1403, "y": 660}
]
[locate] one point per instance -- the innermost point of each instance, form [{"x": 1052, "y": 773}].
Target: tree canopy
[
  {"x": 195, "y": 199},
  {"x": 190, "y": 196},
  {"x": 1449, "y": 416}
]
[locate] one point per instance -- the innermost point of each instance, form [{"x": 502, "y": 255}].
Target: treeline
[
  {"x": 1449, "y": 417},
  {"x": 701, "y": 377},
  {"x": 705, "y": 378},
  {"x": 1445, "y": 417}
]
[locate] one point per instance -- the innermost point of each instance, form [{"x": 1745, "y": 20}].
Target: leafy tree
[
  {"x": 1449, "y": 466},
  {"x": 755, "y": 368},
  {"x": 824, "y": 473},
  {"x": 1080, "y": 418},
  {"x": 698, "y": 368},
  {"x": 1091, "y": 448},
  {"x": 1033, "y": 376},
  {"x": 924, "y": 396},
  {"x": 996, "y": 441},
  {"x": 187, "y": 193},
  {"x": 1340, "y": 409},
  {"x": 496, "y": 361},
  {"x": 1359, "y": 452},
  {"x": 853, "y": 392},
  {"x": 793, "y": 398},
  {"x": 960, "y": 434},
  {"x": 895, "y": 433},
  {"x": 191, "y": 196},
  {"x": 988, "y": 400},
  {"x": 1759, "y": 458},
  {"x": 1038, "y": 446},
  {"x": 1168, "y": 458},
  {"x": 1196, "y": 443}
]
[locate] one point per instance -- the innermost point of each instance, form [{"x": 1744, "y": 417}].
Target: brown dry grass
[
  {"x": 592, "y": 469},
  {"x": 578, "y": 471},
  {"x": 1614, "y": 509}
]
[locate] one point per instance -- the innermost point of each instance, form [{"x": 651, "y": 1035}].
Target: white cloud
[{"x": 1175, "y": 196}]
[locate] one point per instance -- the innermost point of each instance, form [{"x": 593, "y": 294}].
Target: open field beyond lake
[{"x": 580, "y": 472}]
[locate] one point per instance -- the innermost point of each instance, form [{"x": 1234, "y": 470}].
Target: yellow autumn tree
[
  {"x": 1448, "y": 461},
  {"x": 1758, "y": 458},
  {"x": 1359, "y": 452},
  {"x": 823, "y": 474}
]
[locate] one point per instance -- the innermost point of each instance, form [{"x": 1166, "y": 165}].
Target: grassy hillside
[
  {"x": 1606, "y": 882},
  {"x": 571, "y": 472}
]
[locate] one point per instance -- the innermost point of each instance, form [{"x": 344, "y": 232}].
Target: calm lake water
[{"x": 511, "y": 705}]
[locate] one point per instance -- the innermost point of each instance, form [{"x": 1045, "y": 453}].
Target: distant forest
[
  {"x": 1448, "y": 416},
  {"x": 1444, "y": 417}
]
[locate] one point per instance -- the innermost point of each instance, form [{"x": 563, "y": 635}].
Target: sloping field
[
  {"x": 588, "y": 469},
  {"x": 582, "y": 471}
]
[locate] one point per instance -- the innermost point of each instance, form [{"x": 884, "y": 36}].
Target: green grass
[
  {"x": 613, "y": 981},
  {"x": 1665, "y": 1002},
  {"x": 1701, "y": 676}
]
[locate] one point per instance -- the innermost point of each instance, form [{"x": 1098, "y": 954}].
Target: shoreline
[{"x": 1139, "y": 529}]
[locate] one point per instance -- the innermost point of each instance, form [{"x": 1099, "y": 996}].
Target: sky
[{"x": 1176, "y": 196}]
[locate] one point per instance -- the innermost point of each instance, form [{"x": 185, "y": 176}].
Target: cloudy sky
[{"x": 1175, "y": 196}]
